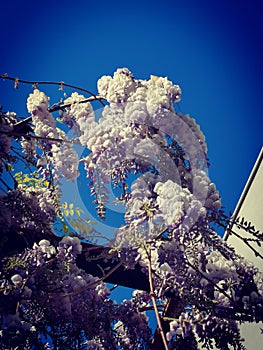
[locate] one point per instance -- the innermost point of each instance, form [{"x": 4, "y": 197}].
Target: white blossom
[{"x": 16, "y": 279}]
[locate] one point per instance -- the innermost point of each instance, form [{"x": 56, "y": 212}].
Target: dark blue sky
[{"x": 212, "y": 49}]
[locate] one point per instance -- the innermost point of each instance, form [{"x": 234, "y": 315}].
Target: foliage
[{"x": 155, "y": 159}]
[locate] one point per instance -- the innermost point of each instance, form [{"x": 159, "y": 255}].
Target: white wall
[{"x": 250, "y": 206}]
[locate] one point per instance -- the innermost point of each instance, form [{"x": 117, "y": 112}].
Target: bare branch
[
  {"x": 61, "y": 84},
  {"x": 160, "y": 328},
  {"x": 246, "y": 241},
  {"x": 31, "y": 136}
]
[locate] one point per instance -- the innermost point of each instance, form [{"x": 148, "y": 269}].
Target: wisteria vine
[{"x": 156, "y": 159}]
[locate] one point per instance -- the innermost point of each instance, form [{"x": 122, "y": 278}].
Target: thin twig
[
  {"x": 57, "y": 107},
  {"x": 88, "y": 286},
  {"x": 16, "y": 134},
  {"x": 150, "y": 308},
  {"x": 245, "y": 242},
  {"x": 154, "y": 302},
  {"x": 205, "y": 277},
  {"x": 61, "y": 84},
  {"x": 221, "y": 290}
]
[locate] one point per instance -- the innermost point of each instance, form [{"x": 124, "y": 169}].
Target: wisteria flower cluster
[
  {"x": 7, "y": 121},
  {"x": 79, "y": 115},
  {"x": 133, "y": 133},
  {"x": 47, "y": 293},
  {"x": 62, "y": 155},
  {"x": 28, "y": 210},
  {"x": 155, "y": 159}
]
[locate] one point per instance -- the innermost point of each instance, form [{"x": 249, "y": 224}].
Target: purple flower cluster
[
  {"x": 29, "y": 211},
  {"x": 7, "y": 121},
  {"x": 45, "y": 288}
]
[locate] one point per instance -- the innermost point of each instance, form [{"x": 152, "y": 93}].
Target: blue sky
[{"x": 212, "y": 49}]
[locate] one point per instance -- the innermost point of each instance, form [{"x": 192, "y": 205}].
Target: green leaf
[
  {"x": 78, "y": 211},
  {"x": 65, "y": 228}
]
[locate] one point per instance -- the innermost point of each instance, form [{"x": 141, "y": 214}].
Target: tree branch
[
  {"x": 61, "y": 84},
  {"x": 160, "y": 328},
  {"x": 16, "y": 134},
  {"x": 245, "y": 242}
]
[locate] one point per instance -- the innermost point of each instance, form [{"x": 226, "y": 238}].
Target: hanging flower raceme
[
  {"x": 37, "y": 106},
  {"x": 54, "y": 142},
  {"x": 7, "y": 121},
  {"x": 79, "y": 115},
  {"x": 29, "y": 211}
]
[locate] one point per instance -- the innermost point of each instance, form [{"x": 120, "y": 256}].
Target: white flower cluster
[
  {"x": 16, "y": 279},
  {"x": 28, "y": 147},
  {"x": 37, "y": 105},
  {"x": 75, "y": 283},
  {"x": 43, "y": 251},
  {"x": 194, "y": 128},
  {"x": 108, "y": 130},
  {"x": 121, "y": 333},
  {"x": 187, "y": 133},
  {"x": 135, "y": 128},
  {"x": 69, "y": 247},
  {"x": 82, "y": 113},
  {"x": 174, "y": 202},
  {"x": 161, "y": 93},
  {"x": 218, "y": 267},
  {"x": 122, "y": 86},
  {"x": 63, "y": 156},
  {"x": 28, "y": 210},
  {"x": 180, "y": 327},
  {"x": 205, "y": 190},
  {"x": 121, "y": 134},
  {"x": 141, "y": 195},
  {"x": 45, "y": 247},
  {"x": 7, "y": 121},
  {"x": 42, "y": 198},
  {"x": 94, "y": 344},
  {"x": 129, "y": 102},
  {"x": 117, "y": 88},
  {"x": 144, "y": 257},
  {"x": 259, "y": 282}
]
